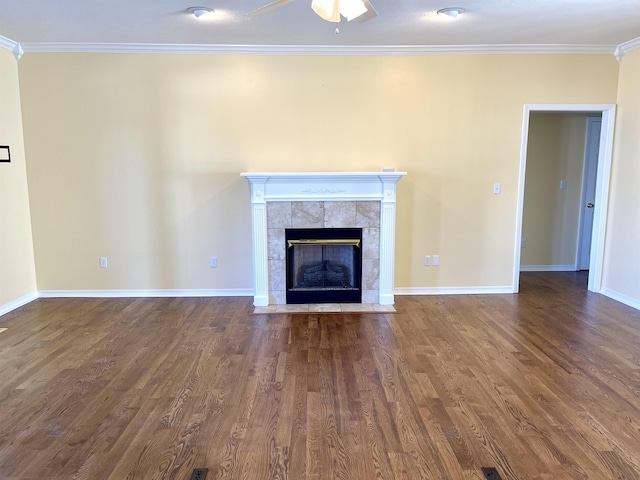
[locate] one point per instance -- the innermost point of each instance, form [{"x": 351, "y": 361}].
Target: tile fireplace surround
[{"x": 364, "y": 200}]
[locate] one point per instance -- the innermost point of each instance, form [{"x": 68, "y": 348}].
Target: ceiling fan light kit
[
  {"x": 452, "y": 12},
  {"x": 351, "y": 9},
  {"x": 199, "y": 12},
  {"x": 330, "y": 10}
]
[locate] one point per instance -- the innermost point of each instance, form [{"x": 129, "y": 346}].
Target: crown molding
[
  {"x": 203, "y": 49},
  {"x": 7, "y": 43},
  {"x": 626, "y": 47},
  {"x": 12, "y": 45}
]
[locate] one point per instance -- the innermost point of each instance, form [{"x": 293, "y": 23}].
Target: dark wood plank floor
[{"x": 540, "y": 385}]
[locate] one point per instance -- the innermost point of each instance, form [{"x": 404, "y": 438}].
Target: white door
[{"x": 588, "y": 191}]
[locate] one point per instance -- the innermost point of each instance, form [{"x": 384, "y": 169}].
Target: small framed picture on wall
[{"x": 5, "y": 154}]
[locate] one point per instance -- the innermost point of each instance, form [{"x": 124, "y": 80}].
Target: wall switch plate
[
  {"x": 496, "y": 188},
  {"x": 103, "y": 262},
  {"x": 523, "y": 243},
  {"x": 563, "y": 184},
  {"x": 427, "y": 260},
  {"x": 213, "y": 262},
  {"x": 436, "y": 260}
]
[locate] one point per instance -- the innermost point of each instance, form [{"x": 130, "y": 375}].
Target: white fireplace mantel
[{"x": 323, "y": 186}]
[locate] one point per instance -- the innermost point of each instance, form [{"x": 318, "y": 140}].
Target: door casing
[{"x": 603, "y": 177}]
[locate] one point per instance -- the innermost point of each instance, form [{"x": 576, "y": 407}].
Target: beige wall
[
  {"x": 550, "y": 219},
  {"x": 17, "y": 270},
  {"x": 137, "y": 157},
  {"x": 622, "y": 248}
]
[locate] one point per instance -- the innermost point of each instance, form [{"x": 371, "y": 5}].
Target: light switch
[{"x": 496, "y": 189}]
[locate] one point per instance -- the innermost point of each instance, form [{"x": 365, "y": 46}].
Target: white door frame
[{"x": 602, "y": 185}]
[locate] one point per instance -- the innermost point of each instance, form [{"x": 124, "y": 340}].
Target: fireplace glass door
[{"x": 324, "y": 265}]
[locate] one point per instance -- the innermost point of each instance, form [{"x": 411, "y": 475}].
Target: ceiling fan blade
[
  {"x": 269, "y": 6},
  {"x": 369, "y": 14}
]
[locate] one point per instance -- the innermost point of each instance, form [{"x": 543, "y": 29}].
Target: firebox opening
[{"x": 324, "y": 265}]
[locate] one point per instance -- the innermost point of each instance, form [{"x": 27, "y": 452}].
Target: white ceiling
[{"x": 400, "y": 22}]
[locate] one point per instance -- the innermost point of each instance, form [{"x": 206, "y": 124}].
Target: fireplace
[
  {"x": 365, "y": 200},
  {"x": 324, "y": 265}
]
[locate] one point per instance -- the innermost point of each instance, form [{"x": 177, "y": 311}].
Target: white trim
[
  {"x": 317, "y": 49},
  {"x": 602, "y": 184},
  {"x": 453, "y": 290},
  {"x": 601, "y": 209},
  {"x": 632, "y": 302},
  {"x": 7, "y": 43},
  {"x": 547, "y": 268},
  {"x": 626, "y": 47},
  {"x": 240, "y": 292},
  {"x": 8, "y": 307},
  {"x": 12, "y": 45}
]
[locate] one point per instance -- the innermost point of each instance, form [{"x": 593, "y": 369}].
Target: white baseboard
[
  {"x": 8, "y": 307},
  {"x": 240, "y": 292},
  {"x": 632, "y": 302},
  {"x": 452, "y": 290},
  {"x": 548, "y": 268}
]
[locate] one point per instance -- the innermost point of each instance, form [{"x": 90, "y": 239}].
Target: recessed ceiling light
[
  {"x": 452, "y": 12},
  {"x": 200, "y": 11}
]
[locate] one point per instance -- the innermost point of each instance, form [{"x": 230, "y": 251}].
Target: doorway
[{"x": 602, "y": 174}]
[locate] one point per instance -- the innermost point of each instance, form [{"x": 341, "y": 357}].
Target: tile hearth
[{"x": 326, "y": 308}]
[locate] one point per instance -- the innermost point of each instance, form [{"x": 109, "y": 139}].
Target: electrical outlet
[
  {"x": 427, "y": 260},
  {"x": 436, "y": 260},
  {"x": 199, "y": 474},
  {"x": 103, "y": 262},
  {"x": 563, "y": 184},
  {"x": 213, "y": 262}
]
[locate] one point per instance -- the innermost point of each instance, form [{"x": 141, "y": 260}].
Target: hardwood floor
[{"x": 540, "y": 385}]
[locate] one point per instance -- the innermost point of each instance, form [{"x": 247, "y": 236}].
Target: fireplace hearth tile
[
  {"x": 370, "y": 274},
  {"x": 340, "y": 215},
  {"x": 265, "y": 310},
  {"x": 371, "y": 243},
  {"x": 370, "y": 296},
  {"x": 368, "y": 214},
  {"x": 277, "y": 275},
  {"x": 325, "y": 308},
  {"x": 307, "y": 214},
  {"x": 292, "y": 308},
  {"x": 356, "y": 307},
  {"x": 276, "y": 241},
  {"x": 383, "y": 308},
  {"x": 279, "y": 214},
  {"x": 277, "y": 297}
]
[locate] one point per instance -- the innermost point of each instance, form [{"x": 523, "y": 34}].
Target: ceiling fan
[{"x": 331, "y": 10}]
